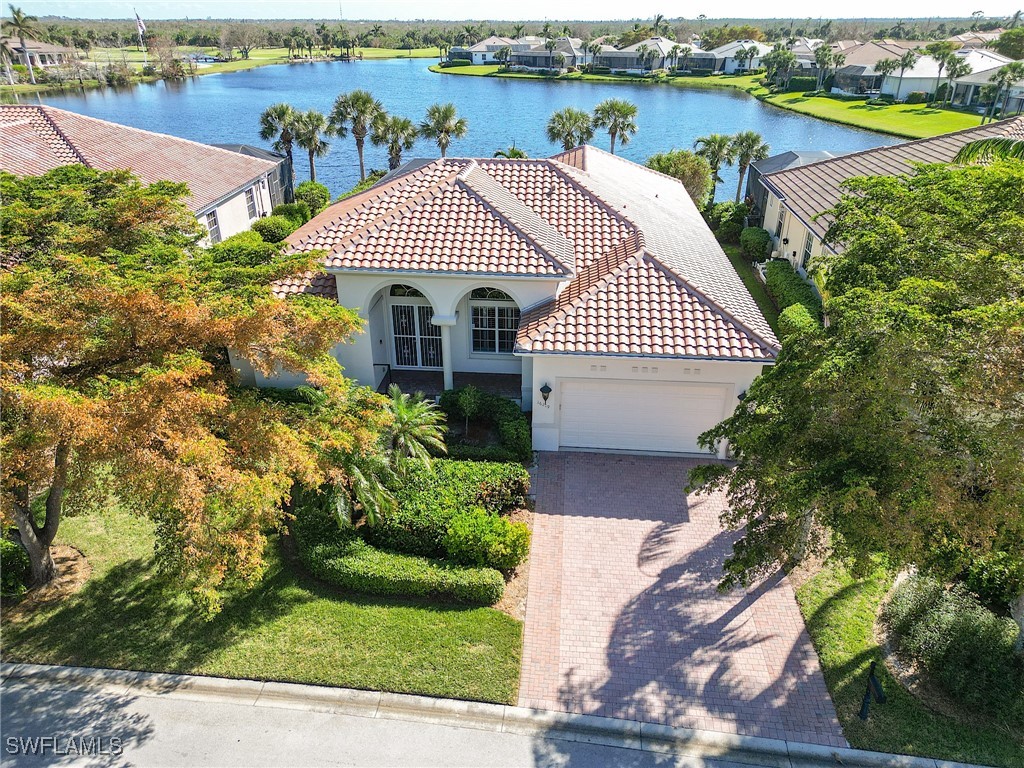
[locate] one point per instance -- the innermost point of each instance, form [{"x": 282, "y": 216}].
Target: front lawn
[
  {"x": 756, "y": 288},
  {"x": 289, "y": 627},
  {"x": 840, "y": 613}
]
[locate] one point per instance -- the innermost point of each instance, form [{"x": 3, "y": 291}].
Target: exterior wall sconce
[
  {"x": 785, "y": 241},
  {"x": 742, "y": 396},
  {"x": 545, "y": 392}
]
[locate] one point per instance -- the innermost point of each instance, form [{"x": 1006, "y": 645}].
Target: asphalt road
[{"x": 48, "y": 723}]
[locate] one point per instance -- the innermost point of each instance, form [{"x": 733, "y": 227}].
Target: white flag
[{"x": 140, "y": 25}]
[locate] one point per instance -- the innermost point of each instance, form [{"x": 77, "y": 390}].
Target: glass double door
[{"x": 417, "y": 341}]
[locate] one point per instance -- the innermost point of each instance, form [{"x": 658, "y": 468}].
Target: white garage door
[{"x": 638, "y": 416}]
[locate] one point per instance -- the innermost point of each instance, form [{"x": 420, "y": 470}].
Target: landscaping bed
[{"x": 485, "y": 427}]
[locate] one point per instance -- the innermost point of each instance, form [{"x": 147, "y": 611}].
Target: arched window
[
  {"x": 407, "y": 291},
  {"x": 495, "y": 319}
]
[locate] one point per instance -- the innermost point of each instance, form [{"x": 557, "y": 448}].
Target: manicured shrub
[
  {"x": 477, "y": 537},
  {"x": 342, "y": 558},
  {"x": 728, "y": 220},
  {"x": 313, "y": 194},
  {"x": 496, "y": 411},
  {"x": 429, "y": 498},
  {"x": 244, "y": 249},
  {"x": 756, "y": 243},
  {"x": 916, "y": 97},
  {"x": 599, "y": 70},
  {"x": 469, "y": 452},
  {"x": 274, "y": 229},
  {"x": 786, "y": 288},
  {"x": 802, "y": 84},
  {"x": 796, "y": 319},
  {"x": 965, "y": 648},
  {"x": 298, "y": 212},
  {"x": 14, "y": 567},
  {"x": 457, "y": 63}
]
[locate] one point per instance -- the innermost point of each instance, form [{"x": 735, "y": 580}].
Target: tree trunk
[
  {"x": 612, "y": 134},
  {"x": 28, "y": 60},
  {"x": 803, "y": 543},
  {"x": 1017, "y": 612},
  {"x": 359, "y": 151},
  {"x": 739, "y": 187},
  {"x": 291, "y": 171},
  {"x": 394, "y": 161},
  {"x": 312, "y": 167},
  {"x": 36, "y": 539},
  {"x": 7, "y": 70}
]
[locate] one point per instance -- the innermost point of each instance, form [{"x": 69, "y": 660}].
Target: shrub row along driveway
[{"x": 624, "y": 619}]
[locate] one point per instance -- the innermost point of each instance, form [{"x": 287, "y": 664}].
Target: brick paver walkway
[{"x": 623, "y": 616}]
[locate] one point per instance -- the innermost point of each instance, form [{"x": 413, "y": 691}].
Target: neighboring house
[
  {"x": 976, "y": 39},
  {"x": 41, "y": 54},
  {"x": 482, "y": 52},
  {"x": 281, "y": 183},
  {"x": 228, "y": 189},
  {"x": 967, "y": 90},
  {"x": 592, "y": 282},
  {"x": 538, "y": 57},
  {"x": 756, "y": 194},
  {"x": 804, "y": 47},
  {"x": 798, "y": 197},
  {"x": 922, "y": 76},
  {"x": 726, "y": 56},
  {"x": 858, "y": 74},
  {"x": 628, "y": 59}
]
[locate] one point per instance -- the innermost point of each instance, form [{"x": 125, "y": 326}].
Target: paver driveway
[{"x": 623, "y": 617}]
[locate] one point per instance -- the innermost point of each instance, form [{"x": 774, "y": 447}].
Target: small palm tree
[
  {"x": 673, "y": 54},
  {"x": 308, "y": 131},
  {"x": 503, "y": 55},
  {"x": 512, "y": 153},
  {"x": 356, "y": 111},
  {"x": 641, "y": 54},
  {"x": 619, "y": 117},
  {"x": 659, "y": 22},
  {"x": 684, "y": 54},
  {"x": 396, "y": 133},
  {"x": 740, "y": 55},
  {"x": 276, "y": 124},
  {"x": 23, "y": 26},
  {"x": 570, "y": 127},
  {"x": 886, "y": 67},
  {"x": 417, "y": 428},
  {"x": 747, "y": 147},
  {"x": 996, "y": 148},
  {"x": 518, "y": 30},
  {"x": 717, "y": 149},
  {"x": 822, "y": 59},
  {"x": 941, "y": 52},
  {"x": 442, "y": 124},
  {"x": 1004, "y": 78},
  {"x": 905, "y": 62},
  {"x": 594, "y": 49},
  {"x": 955, "y": 69}
]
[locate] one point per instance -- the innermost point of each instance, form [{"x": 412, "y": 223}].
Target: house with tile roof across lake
[
  {"x": 587, "y": 285},
  {"x": 229, "y": 189},
  {"x": 798, "y": 198}
]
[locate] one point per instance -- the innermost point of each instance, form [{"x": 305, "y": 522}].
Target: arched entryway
[{"x": 415, "y": 340}]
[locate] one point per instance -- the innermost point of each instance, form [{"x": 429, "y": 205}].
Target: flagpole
[{"x": 140, "y": 27}]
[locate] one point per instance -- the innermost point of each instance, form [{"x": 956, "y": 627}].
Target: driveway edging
[{"x": 628, "y": 734}]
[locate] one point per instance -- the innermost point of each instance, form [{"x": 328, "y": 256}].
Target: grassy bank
[
  {"x": 286, "y": 628},
  {"x": 756, "y": 288},
  {"x": 840, "y": 613},
  {"x": 912, "y": 121}
]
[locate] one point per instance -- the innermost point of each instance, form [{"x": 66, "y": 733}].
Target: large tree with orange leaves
[{"x": 115, "y": 377}]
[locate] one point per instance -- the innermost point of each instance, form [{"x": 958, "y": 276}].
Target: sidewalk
[{"x": 51, "y": 715}]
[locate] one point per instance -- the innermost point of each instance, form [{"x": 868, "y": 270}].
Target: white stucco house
[
  {"x": 591, "y": 282},
  {"x": 229, "y": 190},
  {"x": 924, "y": 75},
  {"x": 483, "y": 52},
  {"x": 728, "y": 62}
]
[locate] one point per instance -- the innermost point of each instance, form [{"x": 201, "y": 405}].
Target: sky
[{"x": 519, "y": 10}]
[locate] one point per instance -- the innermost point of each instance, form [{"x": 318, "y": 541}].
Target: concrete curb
[{"x": 627, "y": 734}]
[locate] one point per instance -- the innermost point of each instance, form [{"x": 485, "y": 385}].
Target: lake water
[{"x": 225, "y": 108}]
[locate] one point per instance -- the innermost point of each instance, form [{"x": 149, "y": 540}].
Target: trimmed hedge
[
  {"x": 430, "y": 498},
  {"x": 298, "y": 213},
  {"x": 313, "y": 194},
  {"x": 916, "y": 97},
  {"x": 786, "y": 288},
  {"x": 342, "y": 558},
  {"x": 802, "y": 84},
  {"x": 727, "y": 220},
  {"x": 796, "y": 319},
  {"x": 274, "y": 229},
  {"x": 966, "y": 649},
  {"x": 756, "y": 243},
  {"x": 14, "y": 567},
  {"x": 457, "y": 63},
  {"x": 477, "y": 537},
  {"x": 496, "y": 411}
]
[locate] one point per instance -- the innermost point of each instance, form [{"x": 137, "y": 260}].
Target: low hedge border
[
  {"x": 345, "y": 560},
  {"x": 786, "y": 288},
  {"x": 496, "y": 411}
]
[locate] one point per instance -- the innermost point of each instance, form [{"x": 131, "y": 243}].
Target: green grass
[
  {"x": 840, "y": 612},
  {"x": 287, "y": 628},
  {"x": 756, "y": 288},
  {"x": 397, "y": 53}
]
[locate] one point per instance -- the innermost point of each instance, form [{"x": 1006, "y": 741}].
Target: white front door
[
  {"x": 417, "y": 341},
  {"x": 638, "y": 415}
]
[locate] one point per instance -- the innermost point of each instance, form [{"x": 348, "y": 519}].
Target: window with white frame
[
  {"x": 808, "y": 246},
  {"x": 250, "y": 203},
  {"x": 781, "y": 222},
  {"x": 213, "y": 227},
  {"x": 495, "y": 320}
]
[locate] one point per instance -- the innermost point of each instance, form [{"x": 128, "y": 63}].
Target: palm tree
[
  {"x": 417, "y": 428},
  {"x": 996, "y": 148},
  {"x": 885, "y": 67},
  {"x": 684, "y": 54},
  {"x": 308, "y": 130},
  {"x": 277, "y": 123},
  {"x": 747, "y": 147},
  {"x": 470, "y": 34},
  {"x": 546, "y": 31},
  {"x": 641, "y": 54},
  {"x": 570, "y": 127},
  {"x": 1004, "y": 78},
  {"x": 905, "y": 62},
  {"x": 822, "y": 59},
  {"x": 356, "y": 111},
  {"x": 518, "y": 30},
  {"x": 942, "y": 52},
  {"x": 594, "y": 49},
  {"x": 396, "y": 133},
  {"x": 716, "y": 148},
  {"x": 22, "y": 26},
  {"x": 442, "y": 124},
  {"x": 503, "y": 55},
  {"x": 619, "y": 117},
  {"x": 512, "y": 153},
  {"x": 673, "y": 54},
  {"x": 740, "y": 55},
  {"x": 659, "y": 22},
  {"x": 955, "y": 69}
]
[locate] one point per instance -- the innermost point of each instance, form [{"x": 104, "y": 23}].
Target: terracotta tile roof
[
  {"x": 816, "y": 187},
  {"x": 36, "y": 139},
  {"x": 645, "y": 275},
  {"x": 312, "y": 283}
]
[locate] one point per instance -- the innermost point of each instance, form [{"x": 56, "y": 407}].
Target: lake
[{"x": 225, "y": 108}]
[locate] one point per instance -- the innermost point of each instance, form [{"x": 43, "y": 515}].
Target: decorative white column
[{"x": 445, "y": 322}]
